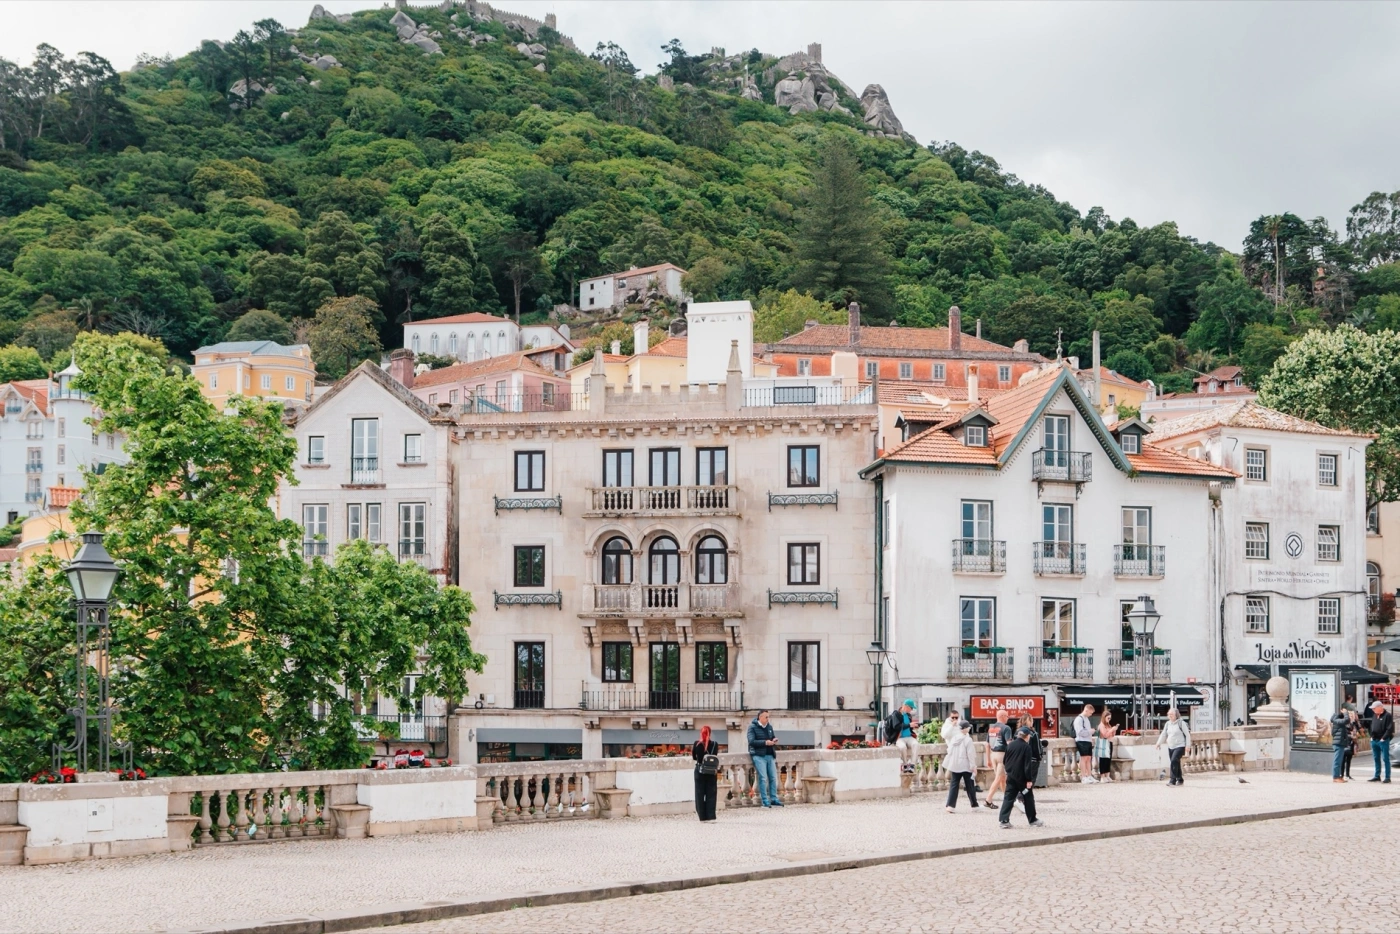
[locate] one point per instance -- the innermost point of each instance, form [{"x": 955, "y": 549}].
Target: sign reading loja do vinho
[{"x": 985, "y": 707}]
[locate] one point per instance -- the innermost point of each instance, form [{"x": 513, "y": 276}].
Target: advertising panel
[{"x": 1313, "y": 697}]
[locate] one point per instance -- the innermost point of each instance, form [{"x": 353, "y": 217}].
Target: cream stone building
[{"x": 668, "y": 558}]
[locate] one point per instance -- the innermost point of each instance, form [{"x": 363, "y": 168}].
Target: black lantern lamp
[{"x": 1143, "y": 618}]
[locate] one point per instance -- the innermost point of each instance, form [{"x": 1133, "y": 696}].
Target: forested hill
[{"x": 279, "y": 170}]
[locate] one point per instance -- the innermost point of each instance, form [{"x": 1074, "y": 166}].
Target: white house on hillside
[
  {"x": 618, "y": 288},
  {"x": 477, "y": 336}
]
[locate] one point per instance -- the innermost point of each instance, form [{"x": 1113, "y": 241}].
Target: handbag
[{"x": 709, "y": 764}]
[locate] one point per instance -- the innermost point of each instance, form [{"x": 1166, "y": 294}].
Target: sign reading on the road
[{"x": 985, "y": 707}]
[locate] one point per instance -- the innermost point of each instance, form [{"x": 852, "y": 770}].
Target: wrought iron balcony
[
  {"x": 661, "y": 601},
  {"x": 364, "y": 470},
  {"x": 1064, "y": 559},
  {"x": 529, "y": 502},
  {"x": 1139, "y": 560},
  {"x": 529, "y": 694},
  {"x": 313, "y": 547},
  {"x": 626, "y": 697},
  {"x": 33, "y": 497},
  {"x": 980, "y": 663},
  {"x": 1061, "y": 663},
  {"x": 1122, "y": 664},
  {"x": 1060, "y": 466},
  {"x": 664, "y": 500},
  {"x": 33, "y": 467},
  {"x": 780, "y": 597},
  {"x": 979, "y": 556},
  {"x": 555, "y": 600}
]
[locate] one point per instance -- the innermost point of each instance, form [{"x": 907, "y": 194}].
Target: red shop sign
[
  {"x": 985, "y": 707},
  {"x": 1386, "y": 693}
]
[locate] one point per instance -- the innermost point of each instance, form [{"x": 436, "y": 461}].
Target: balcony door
[
  {"x": 529, "y": 674},
  {"x": 364, "y": 450},
  {"x": 1056, "y": 623},
  {"x": 1057, "y": 441},
  {"x": 663, "y": 574},
  {"x": 665, "y": 691},
  {"x": 617, "y": 480},
  {"x": 1137, "y": 533},
  {"x": 979, "y": 621},
  {"x": 804, "y": 675},
  {"x": 664, "y": 473},
  {"x": 976, "y": 538}
]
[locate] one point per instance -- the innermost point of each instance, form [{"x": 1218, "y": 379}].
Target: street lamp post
[
  {"x": 91, "y": 574},
  {"x": 1144, "y": 619},
  {"x": 878, "y": 655}
]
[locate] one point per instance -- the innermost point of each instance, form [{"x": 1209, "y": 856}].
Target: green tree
[
  {"x": 337, "y": 254},
  {"x": 276, "y": 282},
  {"x": 1350, "y": 380},
  {"x": 782, "y": 314},
  {"x": 453, "y": 275},
  {"x": 342, "y": 334},
  {"x": 1224, "y": 306},
  {"x": 260, "y": 325},
  {"x": 49, "y": 334},
  {"x": 840, "y": 248},
  {"x": 20, "y": 363},
  {"x": 1131, "y": 364},
  {"x": 705, "y": 278},
  {"x": 1260, "y": 346},
  {"x": 1126, "y": 324},
  {"x": 36, "y": 668}
]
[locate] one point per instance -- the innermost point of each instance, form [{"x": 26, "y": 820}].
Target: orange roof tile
[
  {"x": 465, "y": 372},
  {"x": 629, "y": 273},
  {"x": 670, "y": 347},
  {"x": 1158, "y": 460},
  {"x": 61, "y": 496},
  {"x": 473, "y": 317},
  {"x": 35, "y": 390},
  {"x": 887, "y": 339},
  {"x": 934, "y": 445},
  {"x": 1244, "y": 414}
]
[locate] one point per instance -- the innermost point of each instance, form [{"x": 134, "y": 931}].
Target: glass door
[
  {"x": 364, "y": 450},
  {"x": 1057, "y": 441},
  {"x": 665, "y": 676}
]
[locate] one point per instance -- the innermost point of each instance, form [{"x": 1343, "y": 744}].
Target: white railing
[
  {"x": 663, "y": 500},
  {"x": 662, "y": 600}
]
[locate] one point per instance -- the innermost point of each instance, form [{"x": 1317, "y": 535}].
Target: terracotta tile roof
[
  {"x": 670, "y": 347},
  {"x": 34, "y": 390},
  {"x": 1156, "y": 460},
  {"x": 936, "y": 446},
  {"x": 473, "y": 317},
  {"x": 60, "y": 497},
  {"x": 1014, "y": 407},
  {"x": 1106, "y": 373},
  {"x": 380, "y": 376},
  {"x": 1243, "y": 414},
  {"x": 912, "y": 392},
  {"x": 629, "y": 273},
  {"x": 1220, "y": 373},
  {"x": 874, "y": 340},
  {"x": 465, "y": 372}
]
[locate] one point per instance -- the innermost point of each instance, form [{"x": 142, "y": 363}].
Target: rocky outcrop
[
  {"x": 750, "y": 90},
  {"x": 879, "y": 115},
  {"x": 798, "y": 95},
  {"x": 411, "y": 33},
  {"x": 533, "y": 51},
  {"x": 320, "y": 12}
]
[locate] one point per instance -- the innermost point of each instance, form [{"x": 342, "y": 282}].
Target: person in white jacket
[
  {"x": 961, "y": 762},
  {"x": 1177, "y": 735}
]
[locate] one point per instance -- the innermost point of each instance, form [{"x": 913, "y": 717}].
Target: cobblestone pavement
[
  {"x": 211, "y": 885},
  {"x": 1302, "y": 874}
]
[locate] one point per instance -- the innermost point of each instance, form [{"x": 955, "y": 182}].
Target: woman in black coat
[{"x": 704, "y": 784}]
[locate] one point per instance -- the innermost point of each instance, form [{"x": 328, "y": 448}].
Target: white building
[
  {"x": 477, "y": 336},
  {"x": 619, "y": 288},
  {"x": 1292, "y": 544},
  {"x": 45, "y": 441},
  {"x": 1016, "y": 536}
]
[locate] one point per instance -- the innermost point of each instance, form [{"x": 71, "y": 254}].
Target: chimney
[
  {"x": 972, "y": 385},
  {"x": 401, "y": 366},
  {"x": 853, "y": 321},
  {"x": 616, "y": 348},
  {"x": 955, "y": 329},
  {"x": 1098, "y": 381},
  {"x": 1021, "y": 346},
  {"x": 809, "y": 323},
  {"x": 979, "y": 329},
  {"x": 640, "y": 332}
]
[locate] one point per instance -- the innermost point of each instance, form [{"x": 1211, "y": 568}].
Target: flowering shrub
[
  {"x": 131, "y": 775},
  {"x": 408, "y": 759},
  {"x": 852, "y": 744},
  {"x": 65, "y": 776}
]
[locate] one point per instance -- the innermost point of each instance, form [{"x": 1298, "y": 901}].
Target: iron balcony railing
[
  {"x": 804, "y": 700},
  {"x": 1058, "y": 558},
  {"x": 634, "y": 698},
  {"x": 1060, "y": 663},
  {"x": 1139, "y": 560},
  {"x": 979, "y": 556},
  {"x": 364, "y": 470},
  {"x": 313, "y": 547},
  {"x": 33, "y": 467},
  {"x": 529, "y": 694},
  {"x": 493, "y": 403},
  {"x": 33, "y": 497},
  {"x": 980, "y": 663},
  {"x": 1122, "y": 664},
  {"x": 1064, "y": 466},
  {"x": 654, "y": 500}
]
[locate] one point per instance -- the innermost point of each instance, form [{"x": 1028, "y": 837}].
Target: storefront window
[{"x": 527, "y": 752}]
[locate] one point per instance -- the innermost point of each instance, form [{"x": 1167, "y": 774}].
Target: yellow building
[
  {"x": 35, "y": 533},
  {"x": 660, "y": 365},
  {"x": 255, "y": 368}
]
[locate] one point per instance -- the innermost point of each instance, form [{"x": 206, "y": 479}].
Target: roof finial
[{"x": 1059, "y": 348}]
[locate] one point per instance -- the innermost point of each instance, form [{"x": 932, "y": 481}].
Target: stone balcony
[
  {"x": 660, "y": 601},
  {"x": 626, "y": 501}
]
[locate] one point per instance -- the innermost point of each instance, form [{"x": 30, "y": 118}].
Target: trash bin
[{"x": 1042, "y": 775}]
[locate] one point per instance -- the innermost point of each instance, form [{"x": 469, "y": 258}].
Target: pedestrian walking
[
  {"x": 950, "y": 726},
  {"x": 762, "y": 749},
  {"x": 1103, "y": 745},
  {"x": 1353, "y": 731},
  {"x": 1341, "y": 740},
  {"x": 961, "y": 762},
  {"x": 705, "y": 752},
  {"x": 1177, "y": 735},
  {"x": 1382, "y": 730},
  {"x": 902, "y": 730},
  {"x": 1037, "y": 749},
  {"x": 1084, "y": 744},
  {"x": 998, "y": 739},
  {"x": 1020, "y": 778}
]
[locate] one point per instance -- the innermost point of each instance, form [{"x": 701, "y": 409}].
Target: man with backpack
[
  {"x": 1021, "y": 765},
  {"x": 902, "y": 730}
]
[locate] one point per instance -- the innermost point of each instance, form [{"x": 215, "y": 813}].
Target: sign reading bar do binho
[{"x": 985, "y": 707}]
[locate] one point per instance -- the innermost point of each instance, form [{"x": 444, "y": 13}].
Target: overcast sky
[{"x": 1209, "y": 114}]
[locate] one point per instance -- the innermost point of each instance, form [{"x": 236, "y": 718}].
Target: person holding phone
[{"x": 763, "y": 747}]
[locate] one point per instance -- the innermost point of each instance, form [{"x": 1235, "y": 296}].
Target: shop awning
[
  {"x": 1351, "y": 674},
  {"x": 1389, "y": 645},
  {"x": 1121, "y": 695},
  {"x": 512, "y": 734}
]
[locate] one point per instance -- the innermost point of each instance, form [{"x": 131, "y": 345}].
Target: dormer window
[
  {"x": 1130, "y": 443},
  {"x": 975, "y": 436}
]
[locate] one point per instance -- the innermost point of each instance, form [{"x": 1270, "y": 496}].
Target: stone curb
[{"x": 417, "y": 912}]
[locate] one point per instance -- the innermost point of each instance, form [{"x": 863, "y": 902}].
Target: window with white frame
[
  {"x": 62, "y": 454},
  {"x": 432, "y": 343},
  {"x": 975, "y": 436},
  {"x": 1329, "y": 543},
  {"x": 291, "y": 384},
  {"x": 413, "y": 449},
  {"x": 1129, "y": 442},
  {"x": 1003, "y": 374},
  {"x": 1373, "y": 520},
  {"x": 1256, "y": 464},
  {"x": 804, "y": 367},
  {"x": 978, "y": 621},
  {"x": 413, "y": 529},
  {"x": 316, "y": 449},
  {"x": 1329, "y": 616},
  {"x": 1256, "y": 540},
  {"x": 906, "y": 371},
  {"x": 313, "y": 525},
  {"x": 62, "y": 429},
  {"x": 267, "y": 381},
  {"x": 1326, "y": 470},
  {"x": 452, "y": 344},
  {"x": 1056, "y": 622},
  {"x": 213, "y": 380},
  {"x": 354, "y": 520},
  {"x": 872, "y": 369},
  {"x": 1256, "y": 613},
  {"x": 416, "y": 344},
  {"x": 373, "y": 512},
  {"x": 940, "y": 372}
]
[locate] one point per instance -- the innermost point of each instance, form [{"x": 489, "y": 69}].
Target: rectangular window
[
  {"x": 1329, "y": 616},
  {"x": 529, "y": 674},
  {"x": 213, "y": 380},
  {"x": 316, "y": 449},
  {"x": 711, "y": 466},
  {"x": 372, "y": 513},
  {"x": 804, "y": 367},
  {"x": 432, "y": 399},
  {"x": 906, "y": 371},
  {"x": 1329, "y": 543},
  {"x": 1256, "y": 464},
  {"x": 617, "y": 468},
  {"x": 267, "y": 381},
  {"x": 804, "y": 563},
  {"x": 1056, "y": 622},
  {"x": 529, "y": 471},
  {"x": 1057, "y": 523},
  {"x": 979, "y": 621},
  {"x": 62, "y": 430},
  {"x": 940, "y": 372},
  {"x": 1003, "y": 374},
  {"x": 452, "y": 397},
  {"x": 804, "y": 465},
  {"x": 885, "y": 524},
  {"x": 547, "y": 394},
  {"x": 1256, "y": 614},
  {"x": 804, "y": 675},
  {"x": 617, "y": 662},
  {"x": 975, "y": 436},
  {"x": 1327, "y": 470},
  {"x": 413, "y": 529},
  {"x": 1256, "y": 540},
  {"x": 354, "y": 520},
  {"x": 1057, "y": 440},
  {"x": 1373, "y": 520},
  {"x": 976, "y": 520},
  {"x": 665, "y": 467},
  {"x": 665, "y": 676},
  {"x": 1137, "y": 533},
  {"x": 62, "y": 453},
  {"x": 529, "y": 565},
  {"x": 364, "y": 449},
  {"x": 313, "y": 525},
  {"x": 1130, "y": 443},
  {"x": 711, "y": 663},
  {"x": 501, "y": 392},
  {"x": 1125, "y": 625},
  {"x": 872, "y": 369},
  {"x": 413, "y": 449},
  {"x": 291, "y": 383}
]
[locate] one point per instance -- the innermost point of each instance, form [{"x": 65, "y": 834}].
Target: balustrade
[
  {"x": 264, "y": 807},
  {"x": 928, "y": 769},
  {"x": 661, "y": 600},
  {"x": 663, "y": 500}
]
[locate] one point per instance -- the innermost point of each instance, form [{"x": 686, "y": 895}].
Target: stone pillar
[
  {"x": 734, "y": 381},
  {"x": 597, "y": 385},
  {"x": 461, "y": 746},
  {"x": 1277, "y": 713}
]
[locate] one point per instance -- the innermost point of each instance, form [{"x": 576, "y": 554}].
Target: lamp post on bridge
[
  {"x": 879, "y": 656},
  {"x": 1144, "y": 619}
]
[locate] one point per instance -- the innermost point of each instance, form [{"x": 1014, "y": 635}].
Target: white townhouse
[
  {"x": 616, "y": 289},
  {"x": 1015, "y": 537},
  {"x": 478, "y": 336},
  {"x": 46, "y": 441},
  {"x": 1292, "y": 547},
  {"x": 374, "y": 462}
]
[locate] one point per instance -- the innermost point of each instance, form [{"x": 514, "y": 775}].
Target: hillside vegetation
[{"x": 174, "y": 199}]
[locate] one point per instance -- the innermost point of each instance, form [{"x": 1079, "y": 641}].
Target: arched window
[
  {"x": 486, "y": 344},
  {"x": 471, "y": 346},
  {"x": 712, "y": 561},
  {"x": 617, "y": 561},
  {"x": 452, "y": 344},
  {"x": 665, "y": 563},
  {"x": 1373, "y": 585},
  {"x": 501, "y": 342},
  {"x": 417, "y": 344},
  {"x": 432, "y": 344}
]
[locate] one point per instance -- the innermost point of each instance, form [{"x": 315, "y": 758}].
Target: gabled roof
[
  {"x": 1115, "y": 376},
  {"x": 1243, "y": 414},
  {"x": 369, "y": 370},
  {"x": 670, "y": 347},
  {"x": 465, "y": 372},
  {"x": 629, "y": 273},
  {"x": 33, "y": 390},
  {"x": 252, "y": 347},
  {"x": 472, "y": 317},
  {"x": 874, "y": 340},
  {"x": 1221, "y": 373}
]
